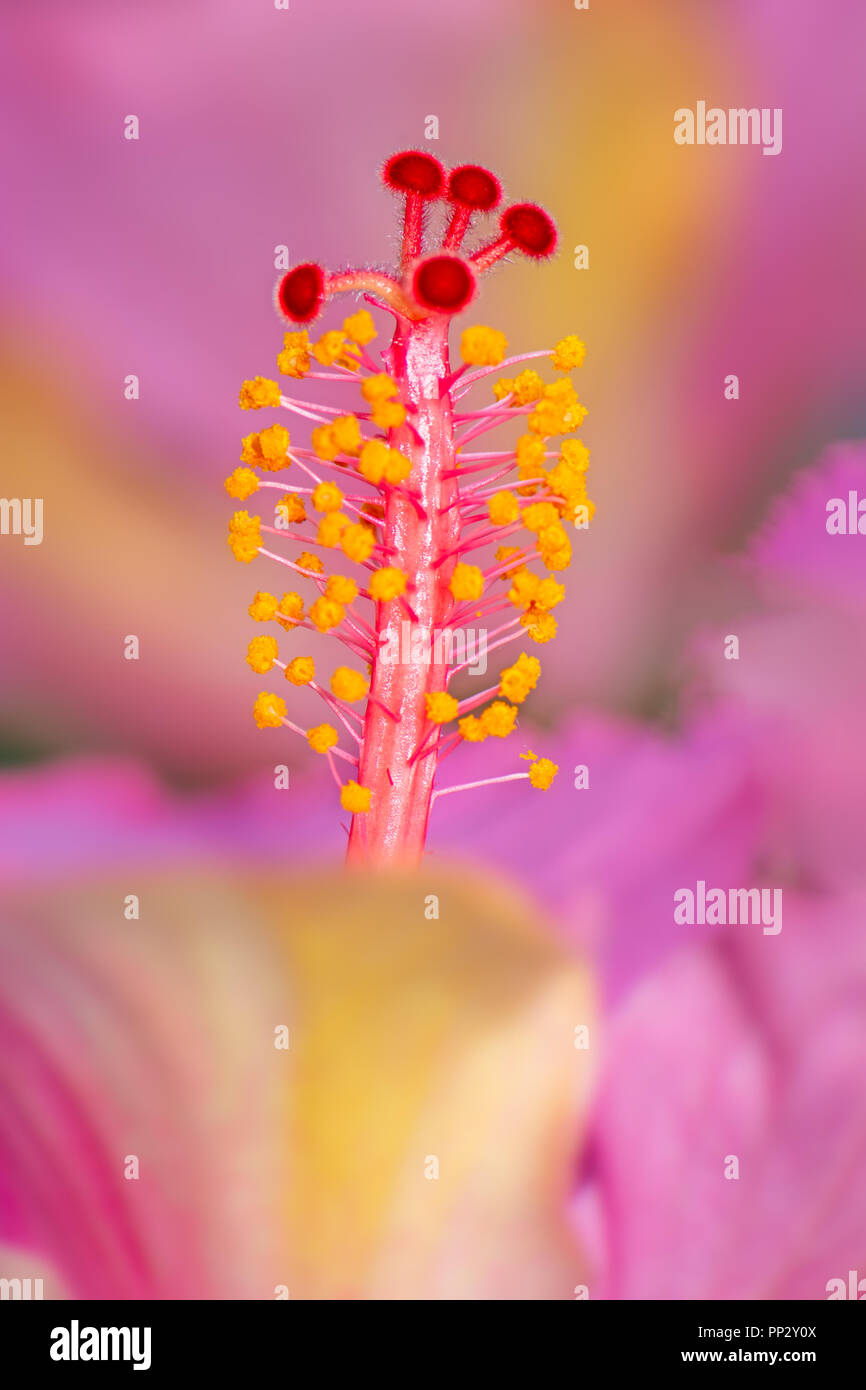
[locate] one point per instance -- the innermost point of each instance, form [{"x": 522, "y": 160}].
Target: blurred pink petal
[{"x": 752, "y": 1047}]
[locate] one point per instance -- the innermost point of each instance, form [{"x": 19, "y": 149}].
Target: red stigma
[
  {"x": 413, "y": 171},
  {"x": 529, "y": 229},
  {"x": 443, "y": 284},
  {"x": 475, "y": 188},
  {"x": 301, "y": 292}
]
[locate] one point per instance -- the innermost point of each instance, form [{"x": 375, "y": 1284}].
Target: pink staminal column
[{"x": 396, "y": 724}]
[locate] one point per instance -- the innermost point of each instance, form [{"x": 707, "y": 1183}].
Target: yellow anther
[
  {"x": 355, "y": 798},
  {"x": 324, "y": 444},
  {"x": 331, "y": 527},
  {"x": 348, "y": 684},
  {"x": 245, "y": 536},
  {"x": 387, "y": 583},
  {"x": 341, "y": 589},
  {"x": 467, "y": 582},
  {"x": 548, "y": 594},
  {"x": 274, "y": 443},
  {"x": 357, "y": 541},
  {"x": 258, "y": 393},
  {"x": 263, "y": 607},
  {"x": 554, "y": 547},
  {"x": 291, "y": 509},
  {"x": 360, "y": 327},
  {"x": 301, "y": 670},
  {"x": 471, "y": 729},
  {"x": 269, "y": 710},
  {"x": 330, "y": 348},
  {"x": 568, "y": 353},
  {"x": 374, "y": 458},
  {"x": 290, "y": 610},
  {"x": 262, "y": 652},
  {"x": 310, "y": 562},
  {"x": 322, "y": 737},
  {"x": 483, "y": 347},
  {"x": 388, "y": 415},
  {"x": 539, "y": 515},
  {"x": 242, "y": 484},
  {"x": 294, "y": 360},
  {"x": 327, "y": 497},
  {"x": 575, "y": 453},
  {"x": 381, "y": 387},
  {"x": 267, "y": 449},
  {"x": 524, "y": 587},
  {"x": 515, "y": 682},
  {"x": 325, "y": 614},
  {"x": 542, "y": 773},
  {"x": 541, "y": 627},
  {"x": 440, "y": 707},
  {"x": 503, "y": 553},
  {"x": 498, "y": 719},
  {"x": 503, "y": 508},
  {"x": 346, "y": 434},
  {"x": 397, "y": 467}
]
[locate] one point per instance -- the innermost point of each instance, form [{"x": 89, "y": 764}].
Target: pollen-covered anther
[
  {"x": 322, "y": 737},
  {"x": 523, "y": 227},
  {"x": 262, "y": 652},
  {"x": 355, "y": 798},
  {"x": 269, "y": 710},
  {"x": 379, "y": 391},
  {"x": 258, "y": 393},
  {"x": 301, "y": 293},
  {"x": 516, "y": 682},
  {"x": 348, "y": 684},
  {"x": 292, "y": 510},
  {"x": 301, "y": 670},
  {"x": 245, "y": 536},
  {"x": 387, "y": 583},
  {"x": 440, "y": 707},
  {"x": 263, "y": 607},
  {"x": 241, "y": 484},
  {"x": 341, "y": 589},
  {"x": 467, "y": 581},
  {"x": 326, "y": 614},
  {"x": 470, "y": 189},
  {"x": 443, "y": 284},
  {"x": 542, "y": 771},
  {"x": 481, "y": 346},
  {"x": 290, "y": 610}
]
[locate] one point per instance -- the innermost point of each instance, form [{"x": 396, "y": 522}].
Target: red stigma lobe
[
  {"x": 301, "y": 292},
  {"x": 413, "y": 171},
  {"x": 529, "y": 229},
  {"x": 474, "y": 188},
  {"x": 443, "y": 284}
]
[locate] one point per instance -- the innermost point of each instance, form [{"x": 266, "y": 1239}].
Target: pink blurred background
[{"x": 261, "y": 127}]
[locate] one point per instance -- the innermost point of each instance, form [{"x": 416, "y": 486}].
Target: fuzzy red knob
[
  {"x": 443, "y": 284},
  {"x": 301, "y": 292},
  {"x": 529, "y": 229},
  {"x": 414, "y": 171},
  {"x": 473, "y": 187}
]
